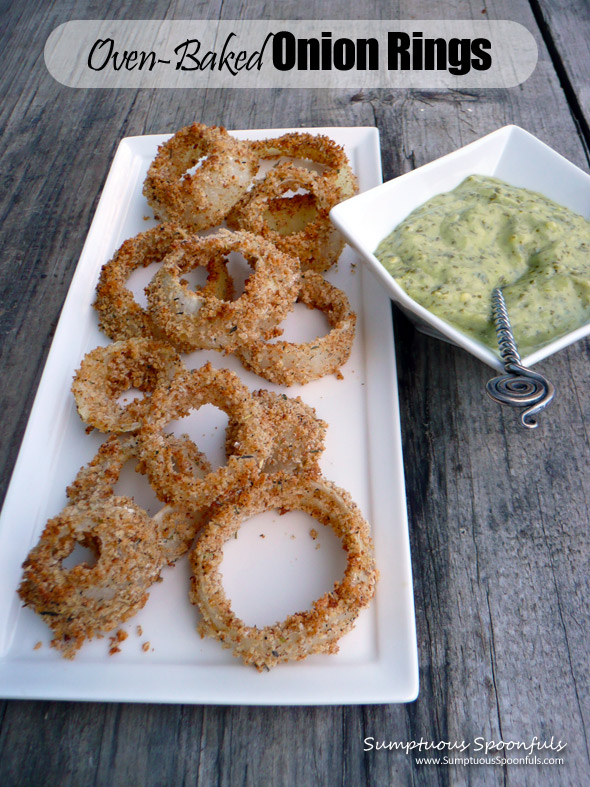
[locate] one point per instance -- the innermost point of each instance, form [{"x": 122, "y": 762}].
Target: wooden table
[{"x": 499, "y": 519}]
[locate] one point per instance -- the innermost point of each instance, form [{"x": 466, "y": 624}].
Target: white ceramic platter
[{"x": 267, "y": 577}]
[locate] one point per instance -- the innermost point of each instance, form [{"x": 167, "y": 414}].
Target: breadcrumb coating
[
  {"x": 83, "y": 601},
  {"x": 316, "y": 630},
  {"x": 201, "y": 199}
]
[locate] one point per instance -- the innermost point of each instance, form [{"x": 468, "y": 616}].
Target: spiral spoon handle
[{"x": 519, "y": 387}]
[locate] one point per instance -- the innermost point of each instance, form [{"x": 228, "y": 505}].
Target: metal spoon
[{"x": 519, "y": 387}]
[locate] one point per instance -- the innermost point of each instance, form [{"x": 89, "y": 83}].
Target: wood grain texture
[
  {"x": 498, "y": 518},
  {"x": 565, "y": 27}
]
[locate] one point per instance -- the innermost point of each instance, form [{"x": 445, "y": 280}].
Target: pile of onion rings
[{"x": 201, "y": 177}]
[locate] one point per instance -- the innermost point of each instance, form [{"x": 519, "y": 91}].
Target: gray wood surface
[{"x": 498, "y": 517}]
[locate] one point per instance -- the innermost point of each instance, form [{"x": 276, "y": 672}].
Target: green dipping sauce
[{"x": 451, "y": 252}]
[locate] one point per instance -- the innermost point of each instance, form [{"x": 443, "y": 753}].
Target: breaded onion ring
[
  {"x": 317, "y": 148},
  {"x": 199, "y": 320},
  {"x": 313, "y": 239},
  {"x": 314, "y": 631},
  {"x": 287, "y": 215},
  {"x": 107, "y": 372},
  {"x": 298, "y": 434},
  {"x": 97, "y": 479},
  {"x": 201, "y": 199},
  {"x": 120, "y": 316},
  {"x": 250, "y": 448},
  {"x": 82, "y": 601},
  {"x": 179, "y": 526},
  {"x": 286, "y": 363}
]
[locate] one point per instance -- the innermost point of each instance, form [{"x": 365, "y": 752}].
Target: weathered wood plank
[
  {"x": 498, "y": 518},
  {"x": 484, "y": 546},
  {"x": 565, "y": 27}
]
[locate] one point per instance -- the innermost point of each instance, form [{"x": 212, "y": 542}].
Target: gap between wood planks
[{"x": 563, "y": 76}]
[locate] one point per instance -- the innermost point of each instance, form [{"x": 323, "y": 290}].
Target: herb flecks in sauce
[{"x": 451, "y": 252}]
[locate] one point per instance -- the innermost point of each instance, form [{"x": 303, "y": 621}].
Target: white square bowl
[{"x": 511, "y": 154}]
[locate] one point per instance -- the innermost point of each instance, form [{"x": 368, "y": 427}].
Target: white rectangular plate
[{"x": 267, "y": 577}]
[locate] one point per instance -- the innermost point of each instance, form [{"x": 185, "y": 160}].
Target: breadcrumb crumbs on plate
[
  {"x": 38, "y": 645},
  {"x": 118, "y": 637},
  {"x": 145, "y": 647},
  {"x": 139, "y": 631},
  {"x": 313, "y": 533}
]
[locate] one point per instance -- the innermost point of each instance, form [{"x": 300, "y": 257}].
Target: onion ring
[
  {"x": 286, "y": 363},
  {"x": 298, "y": 434},
  {"x": 82, "y": 601},
  {"x": 97, "y": 480},
  {"x": 314, "y": 631},
  {"x": 313, "y": 239},
  {"x": 202, "y": 199},
  {"x": 120, "y": 316},
  {"x": 200, "y": 320},
  {"x": 316, "y": 148},
  {"x": 106, "y": 372},
  {"x": 287, "y": 215},
  {"x": 250, "y": 448}
]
